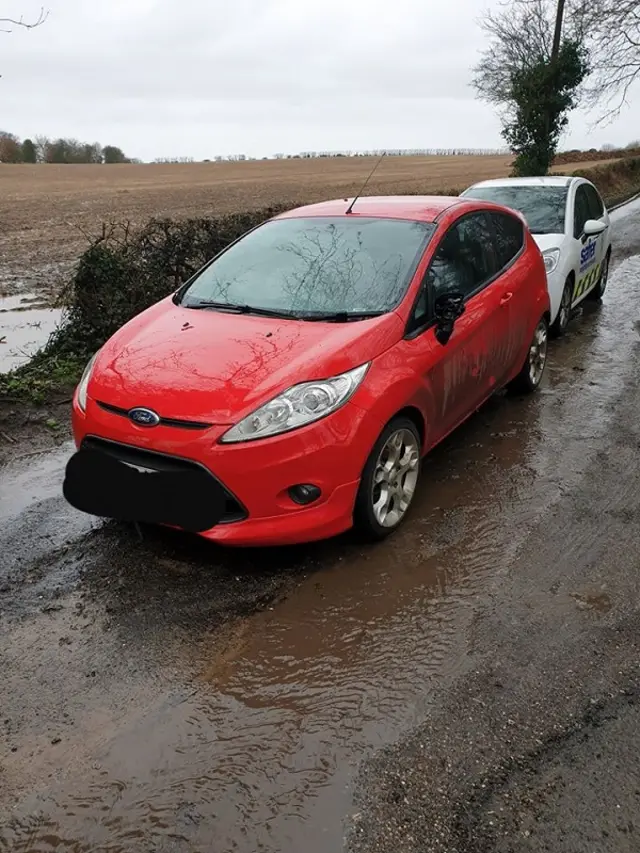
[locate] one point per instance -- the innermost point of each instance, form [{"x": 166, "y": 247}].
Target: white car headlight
[
  {"x": 551, "y": 258},
  {"x": 299, "y": 405},
  {"x": 84, "y": 383}
]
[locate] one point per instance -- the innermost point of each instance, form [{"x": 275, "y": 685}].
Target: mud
[{"x": 162, "y": 694}]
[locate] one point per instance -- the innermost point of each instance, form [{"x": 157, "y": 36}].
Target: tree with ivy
[{"x": 533, "y": 72}]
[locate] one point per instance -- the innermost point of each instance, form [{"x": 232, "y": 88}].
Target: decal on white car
[
  {"x": 588, "y": 255},
  {"x": 587, "y": 281}
]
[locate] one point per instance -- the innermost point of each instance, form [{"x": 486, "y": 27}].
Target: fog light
[{"x": 304, "y": 493}]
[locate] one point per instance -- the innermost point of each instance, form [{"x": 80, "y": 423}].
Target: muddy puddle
[
  {"x": 34, "y": 519},
  {"x": 26, "y": 322},
  {"x": 247, "y": 739}
]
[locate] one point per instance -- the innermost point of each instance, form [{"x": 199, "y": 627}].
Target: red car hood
[{"x": 218, "y": 367}]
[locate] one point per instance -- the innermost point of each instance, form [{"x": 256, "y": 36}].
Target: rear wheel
[
  {"x": 559, "y": 325},
  {"x": 389, "y": 480},
  {"x": 529, "y": 378},
  {"x": 601, "y": 286}
]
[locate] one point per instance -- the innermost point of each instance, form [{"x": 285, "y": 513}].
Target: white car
[{"x": 570, "y": 224}]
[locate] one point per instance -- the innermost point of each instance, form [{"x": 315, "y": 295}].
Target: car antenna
[{"x": 350, "y": 208}]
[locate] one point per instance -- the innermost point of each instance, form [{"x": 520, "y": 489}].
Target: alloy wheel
[
  {"x": 395, "y": 478},
  {"x": 604, "y": 275},
  {"x": 538, "y": 354},
  {"x": 565, "y": 308}
]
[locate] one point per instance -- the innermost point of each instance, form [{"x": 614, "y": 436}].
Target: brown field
[{"x": 46, "y": 210}]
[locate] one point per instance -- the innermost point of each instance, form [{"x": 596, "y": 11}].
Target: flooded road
[{"x": 163, "y": 694}]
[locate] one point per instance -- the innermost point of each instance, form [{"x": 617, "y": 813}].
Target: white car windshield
[
  {"x": 310, "y": 267},
  {"x": 543, "y": 207}
]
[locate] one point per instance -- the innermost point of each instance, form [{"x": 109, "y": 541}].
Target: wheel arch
[{"x": 414, "y": 414}]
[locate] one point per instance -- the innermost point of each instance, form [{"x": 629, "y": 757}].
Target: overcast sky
[{"x": 205, "y": 77}]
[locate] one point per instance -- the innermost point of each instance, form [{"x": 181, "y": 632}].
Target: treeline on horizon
[{"x": 41, "y": 149}]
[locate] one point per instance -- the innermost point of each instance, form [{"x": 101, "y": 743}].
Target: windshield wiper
[
  {"x": 343, "y": 316},
  {"x": 329, "y": 316},
  {"x": 236, "y": 308}
]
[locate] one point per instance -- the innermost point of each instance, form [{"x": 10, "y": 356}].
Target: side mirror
[
  {"x": 448, "y": 308},
  {"x": 593, "y": 227}
]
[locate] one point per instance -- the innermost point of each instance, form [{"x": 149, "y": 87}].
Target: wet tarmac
[{"x": 163, "y": 694}]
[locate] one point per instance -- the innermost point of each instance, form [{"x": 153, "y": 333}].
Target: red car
[{"x": 290, "y": 388}]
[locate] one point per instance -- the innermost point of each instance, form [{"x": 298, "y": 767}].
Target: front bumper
[
  {"x": 555, "y": 285},
  {"x": 257, "y": 475}
]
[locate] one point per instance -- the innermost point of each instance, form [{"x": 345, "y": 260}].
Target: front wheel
[
  {"x": 559, "y": 325},
  {"x": 389, "y": 480},
  {"x": 530, "y": 377}
]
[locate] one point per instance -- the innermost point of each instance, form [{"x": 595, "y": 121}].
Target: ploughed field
[{"x": 46, "y": 211}]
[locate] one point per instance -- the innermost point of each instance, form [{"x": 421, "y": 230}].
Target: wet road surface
[{"x": 468, "y": 682}]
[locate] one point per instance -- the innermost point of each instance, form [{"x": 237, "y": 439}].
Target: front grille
[
  {"x": 234, "y": 510},
  {"x": 173, "y": 422}
]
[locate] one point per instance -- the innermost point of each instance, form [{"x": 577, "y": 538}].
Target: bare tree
[
  {"x": 532, "y": 70},
  {"x": 42, "y": 146},
  {"x": 521, "y": 34},
  {"x": 610, "y": 33},
  {"x": 10, "y": 148},
  {"x": 21, "y": 22},
  {"x": 613, "y": 40}
]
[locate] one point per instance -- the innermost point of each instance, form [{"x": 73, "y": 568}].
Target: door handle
[{"x": 505, "y": 298}]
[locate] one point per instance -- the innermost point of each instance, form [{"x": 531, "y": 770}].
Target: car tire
[
  {"x": 530, "y": 377},
  {"x": 373, "y": 517},
  {"x": 559, "y": 325},
  {"x": 598, "y": 291}
]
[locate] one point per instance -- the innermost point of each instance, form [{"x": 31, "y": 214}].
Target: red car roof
[{"x": 419, "y": 207}]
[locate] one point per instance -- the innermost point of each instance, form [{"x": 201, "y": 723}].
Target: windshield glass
[
  {"x": 542, "y": 207},
  {"x": 317, "y": 265}
]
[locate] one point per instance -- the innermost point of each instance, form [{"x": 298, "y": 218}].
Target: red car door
[
  {"x": 516, "y": 296},
  {"x": 461, "y": 373}
]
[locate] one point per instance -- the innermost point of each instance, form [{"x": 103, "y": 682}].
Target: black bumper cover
[{"x": 99, "y": 484}]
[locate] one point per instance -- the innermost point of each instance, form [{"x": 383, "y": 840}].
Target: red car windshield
[{"x": 314, "y": 266}]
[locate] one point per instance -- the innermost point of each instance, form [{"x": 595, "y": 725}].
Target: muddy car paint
[{"x": 212, "y": 369}]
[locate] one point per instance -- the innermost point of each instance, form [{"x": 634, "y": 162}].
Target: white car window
[
  {"x": 543, "y": 207},
  {"x": 596, "y": 208},
  {"x": 581, "y": 211}
]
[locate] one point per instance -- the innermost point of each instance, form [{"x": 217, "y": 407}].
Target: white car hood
[{"x": 548, "y": 241}]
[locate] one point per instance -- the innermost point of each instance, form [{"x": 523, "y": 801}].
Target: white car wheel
[
  {"x": 561, "y": 322},
  {"x": 601, "y": 286}
]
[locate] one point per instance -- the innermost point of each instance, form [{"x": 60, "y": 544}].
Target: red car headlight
[
  {"x": 84, "y": 383},
  {"x": 297, "y": 406}
]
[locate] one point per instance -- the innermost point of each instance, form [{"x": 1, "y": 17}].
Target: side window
[
  {"x": 581, "y": 211},
  {"x": 465, "y": 259},
  {"x": 421, "y": 308},
  {"x": 596, "y": 208},
  {"x": 509, "y": 237}
]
